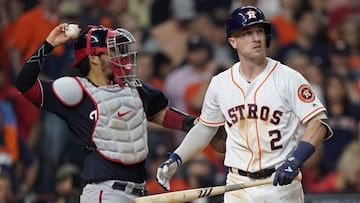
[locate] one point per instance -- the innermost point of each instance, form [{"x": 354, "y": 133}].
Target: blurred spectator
[
  {"x": 40, "y": 19},
  {"x": 141, "y": 10},
  {"x": 157, "y": 134},
  {"x": 159, "y": 12},
  {"x": 6, "y": 195},
  {"x": 131, "y": 23},
  {"x": 315, "y": 76},
  {"x": 238, "y": 3},
  {"x": 114, "y": 8},
  {"x": 202, "y": 25},
  {"x": 313, "y": 73},
  {"x": 201, "y": 173},
  {"x": 171, "y": 35},
  {"x": 197, "y": 67},
  {"x": 16, "y": 158},
  {"x": 339, "y": 58},
  {"x": 307, "y": 40},
  {"x": 146, "y": 67},
  {"x": 92, "y": 13},
  {"x": 162, "y": 68},
  {"x": 332, "y": 4},
  {"x": 349, "y": 34},
  {"x": 194, "y": 96},
  {"x": 211, "y": 6},
  {"x": 10, "y": 12},
  {"x": 343, "y": 117},
  {"x": 284, "y": 22},
  {"x": 67, "y": 184},
  {"x": 297, "y": 60},
  {"x": 312, "y": 170},
  {"x": 269, "y": 9},
  {"x": 223, "y": 54},
  {"x": 69, "y": 11},
  {"x": 194, "y": 92},
  {"x": 346, "y": 177},
  {"x": 54, "y": 136},
  {"x": 186, "y": 86},
  {"x": 319, "y": 9},
  {"x": 338, "y": 14},
  {"x": 29, "y": 122}
]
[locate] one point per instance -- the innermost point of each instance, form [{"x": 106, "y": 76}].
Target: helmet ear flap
[
  {"x": 268, "y": 40},
  {"x": 268, "y": 34}
]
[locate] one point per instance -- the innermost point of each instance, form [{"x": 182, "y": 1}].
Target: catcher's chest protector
[{"x": 120, "y": 132}]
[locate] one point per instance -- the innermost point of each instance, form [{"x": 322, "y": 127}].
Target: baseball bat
[{"x": 192, "y": 194}]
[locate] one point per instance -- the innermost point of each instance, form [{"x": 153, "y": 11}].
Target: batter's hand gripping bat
[{"x": 192, "y": 194}]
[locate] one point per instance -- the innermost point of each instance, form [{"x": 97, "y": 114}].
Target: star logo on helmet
[{"x": 251, "y": 14}]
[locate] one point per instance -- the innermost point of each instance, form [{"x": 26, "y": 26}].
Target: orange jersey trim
[
  {"x": 256, "y": 123},
  {"x": 247, "y": 136},
  {"x": 308, "y": 115},
  {"x": 211, "y": 123}
]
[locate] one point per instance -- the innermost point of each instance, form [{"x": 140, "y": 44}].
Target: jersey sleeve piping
[
  {"x": 209, "y": 123},
  {"x": 312, "y": 114}
]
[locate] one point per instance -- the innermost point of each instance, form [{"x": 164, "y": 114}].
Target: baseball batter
[
  {"x": 272, "y": 117},
  {"x": 106, "y": 107}
]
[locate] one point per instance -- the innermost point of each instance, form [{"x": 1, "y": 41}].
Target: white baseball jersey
[{"x": 264, "y": 119}]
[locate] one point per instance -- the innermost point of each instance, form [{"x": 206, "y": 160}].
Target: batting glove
[
  {"x": 287, "y": 172},
  {"x": 167, "y": 170}
]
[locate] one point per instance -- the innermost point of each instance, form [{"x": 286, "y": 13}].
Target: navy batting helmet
[{"x": 246, "y": 16}]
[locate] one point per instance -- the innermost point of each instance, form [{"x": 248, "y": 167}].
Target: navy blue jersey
[{"x": 95, "y": 166}]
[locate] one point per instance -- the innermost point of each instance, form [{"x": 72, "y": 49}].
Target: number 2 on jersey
[{"x": 276, "y": 136}]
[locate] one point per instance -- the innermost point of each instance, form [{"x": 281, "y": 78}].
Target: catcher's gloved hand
[
  {"x": 287, "y": 172},
  {"x": 167, "y": 170}
]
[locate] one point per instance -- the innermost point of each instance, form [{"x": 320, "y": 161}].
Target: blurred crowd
[{"x": 181, "y": 45}]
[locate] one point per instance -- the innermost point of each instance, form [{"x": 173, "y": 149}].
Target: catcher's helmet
[
  {"x": 93, "y": 45},
  {"x": 246, "y": 16},
  {"x": 99, "y": 39}
]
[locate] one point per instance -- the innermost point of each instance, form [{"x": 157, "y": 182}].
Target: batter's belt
[{"x": 254, "y": 175}]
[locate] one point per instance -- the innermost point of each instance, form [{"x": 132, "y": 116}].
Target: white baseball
[{"x": 72, "y": 31}]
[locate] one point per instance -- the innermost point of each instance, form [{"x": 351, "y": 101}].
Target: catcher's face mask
[
  {"x": 117, "y": 43},
  {"x": 123, "y": 59}
]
